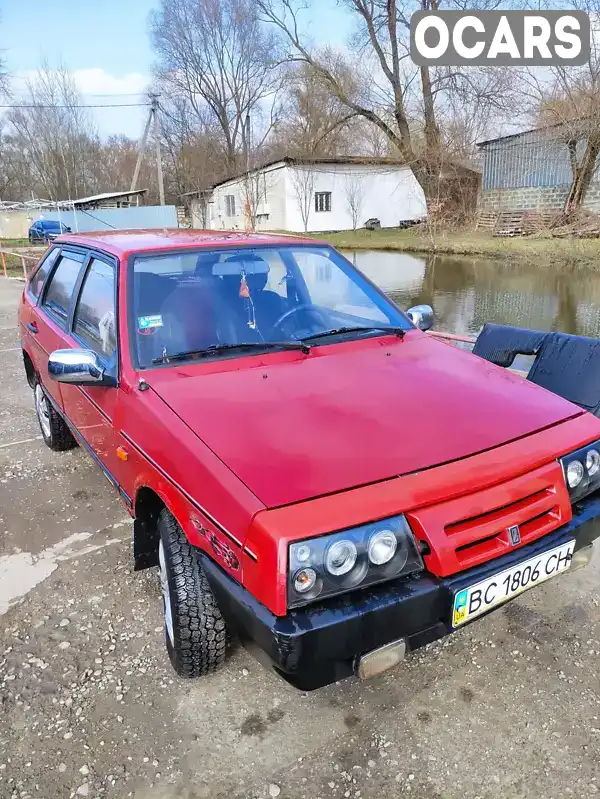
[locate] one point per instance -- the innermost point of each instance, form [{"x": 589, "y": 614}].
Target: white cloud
[
  {"x": 99, "y": 81},
  {"x": 95, "y": 81},
  {"x": 99, "y": 87}
]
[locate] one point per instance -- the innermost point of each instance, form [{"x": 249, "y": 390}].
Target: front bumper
[{"x": 319, "y": 644}]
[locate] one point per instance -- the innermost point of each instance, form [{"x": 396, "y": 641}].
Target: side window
[
  {"x": 39, "y": 276},
  {"x": 230, "y": 204},
  {"x": 277, "y": 279},
  {"x": 323, "y": 201},
  {"x": 57, "y": 296},
  {"x": 95, "y": 317}
]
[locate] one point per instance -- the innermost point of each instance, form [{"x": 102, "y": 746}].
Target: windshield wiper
[
  {"x": 398, "y": 331},
  {"x": 215, "y": 349}
]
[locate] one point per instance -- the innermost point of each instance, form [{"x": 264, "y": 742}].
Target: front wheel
[
  {"x": 195, "y": 632},
  {"x": 54, "y": 429}
]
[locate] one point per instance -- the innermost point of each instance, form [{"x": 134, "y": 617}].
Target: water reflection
[{"x": 465, "y": 292}]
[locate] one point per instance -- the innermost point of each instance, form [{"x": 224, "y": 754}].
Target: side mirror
[
  {"x": 78, "y": 367},
  {"x": 421, "y": 316}
]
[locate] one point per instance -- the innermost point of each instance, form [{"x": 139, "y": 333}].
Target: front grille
[
  {"x": 487, "y": 534},
  {"x": 459, "y": 538}
]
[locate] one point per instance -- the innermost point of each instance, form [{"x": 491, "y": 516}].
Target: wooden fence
[{"x": 23, "y": 258}]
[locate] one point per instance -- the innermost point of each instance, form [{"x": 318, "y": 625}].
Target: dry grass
[
  {"x": 541, "y": 248},
  {"x": 14, "y": 267},
  {"x": 9, "y": 243}
]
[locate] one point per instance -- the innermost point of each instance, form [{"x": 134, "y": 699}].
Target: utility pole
[
  {"x": 247, "y": 135},
  {"x": 159, "y": 170},
  {"x": 141, "y": 149},
  {"x": 153, "y": 115}
]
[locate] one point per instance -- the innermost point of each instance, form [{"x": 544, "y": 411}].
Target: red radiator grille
[{"x": 460, "y": 538}]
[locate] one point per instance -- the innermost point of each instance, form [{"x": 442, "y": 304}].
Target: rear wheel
[
  {"x": 195, "y": 632},
  {"x": 54, "y": 429}
]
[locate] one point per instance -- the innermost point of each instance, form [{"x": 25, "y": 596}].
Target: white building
[{"x": 313, "y": 194}]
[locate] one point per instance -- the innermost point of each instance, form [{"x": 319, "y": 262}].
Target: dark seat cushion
[{"x": 565, "y": 364}]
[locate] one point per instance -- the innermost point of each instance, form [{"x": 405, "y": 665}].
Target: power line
[{"x": 77, "y": 105}]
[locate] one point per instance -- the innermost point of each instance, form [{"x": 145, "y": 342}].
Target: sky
[{"x": 105, "y": 44}]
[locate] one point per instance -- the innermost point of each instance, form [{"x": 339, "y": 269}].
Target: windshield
[{"x": 194, "y": 301}]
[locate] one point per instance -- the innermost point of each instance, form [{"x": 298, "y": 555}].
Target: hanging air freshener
[
  {"x": 246, "y": 296},
  {"x": 244, "y": 290}
]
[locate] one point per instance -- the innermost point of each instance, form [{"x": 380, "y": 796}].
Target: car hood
[{"x": 292, "y": 427}]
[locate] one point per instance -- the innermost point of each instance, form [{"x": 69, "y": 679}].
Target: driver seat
[
  {"x": 268, "y": 305},
  {"x": 188, "y": 316}
]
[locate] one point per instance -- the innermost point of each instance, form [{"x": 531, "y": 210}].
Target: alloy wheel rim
[
  {"x": 42, "y": 409},
  {"x": 166, "y": 592}
]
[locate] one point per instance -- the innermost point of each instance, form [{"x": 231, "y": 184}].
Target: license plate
[{"x": 481, "y": 597}]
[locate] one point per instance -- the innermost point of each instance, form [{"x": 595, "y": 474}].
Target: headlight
[
  {"x": 382, "y": 547},
  {"x": 340, "y": 558},
  {"x": 592, "y": 461},
  {"x": 575, "y": 473},
  {"x": 582, "y": 471},
  {"x": 338, "y": 562}
]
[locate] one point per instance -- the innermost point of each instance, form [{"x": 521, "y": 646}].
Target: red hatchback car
[{"x": 308, "y": 468}]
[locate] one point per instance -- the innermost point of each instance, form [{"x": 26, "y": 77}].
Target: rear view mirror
[{"x": 79, "y": 367}]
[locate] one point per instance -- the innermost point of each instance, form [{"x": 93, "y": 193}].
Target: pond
[{"x": 465, "y": 293}]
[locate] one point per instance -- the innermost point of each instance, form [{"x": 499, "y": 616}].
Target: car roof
[{"x": 124, "y": 242}]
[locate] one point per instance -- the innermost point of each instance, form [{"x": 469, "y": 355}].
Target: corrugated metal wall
[
  {"x": 536, "y": 159},
  {"x": 136, "y": 218}
]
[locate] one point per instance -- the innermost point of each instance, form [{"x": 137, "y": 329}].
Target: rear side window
[
  {"x": 38, "y": 279},
  {"x": 59, "y": 291},
  {"x": 95, "y": 317}
]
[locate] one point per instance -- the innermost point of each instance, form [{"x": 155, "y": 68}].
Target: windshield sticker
[{"x": 148, "y": 322}]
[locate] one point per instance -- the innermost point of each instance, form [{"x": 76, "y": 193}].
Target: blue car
[{"x": 46, "y": 230}]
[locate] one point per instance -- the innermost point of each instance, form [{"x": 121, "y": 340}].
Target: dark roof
[
  {"x": 108, "y": 195},
  {"x": 306, "y": 160},
  {"x": 196, "y": 192},
  {"x": 532, "y": 130}
]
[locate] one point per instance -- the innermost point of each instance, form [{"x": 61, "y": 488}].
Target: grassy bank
[
  {"x": 8, "y": 243},
  {"x": 14, "y": 267},
  {"x": 474, "y": 243}
]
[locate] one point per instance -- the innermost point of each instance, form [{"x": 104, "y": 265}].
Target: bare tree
[
  {"x": 314, "y": 122},
  {"x": 303, "y": 183},
  {"x": 218, "y": 56},
  {"x": 383, "y": 86},
  {"x": 57, "y": 136},
  {"x": 254, "y": 191},
  {"x": 354, "y": 199},
  {"x": 191, "y": 149},
  {"x": 566, "y": 101}
]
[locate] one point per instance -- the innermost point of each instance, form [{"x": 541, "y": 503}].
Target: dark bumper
[{"x": 319, "y": 644}]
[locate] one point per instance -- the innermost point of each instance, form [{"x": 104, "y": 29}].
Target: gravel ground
[{"x": 89, "y": 706}]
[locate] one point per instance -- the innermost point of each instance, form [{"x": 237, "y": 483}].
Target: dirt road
[{"x": 509, "y": 707}]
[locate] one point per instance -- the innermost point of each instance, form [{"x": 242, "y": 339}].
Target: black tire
[
  {"x": 195, "y": 632},
  {"x": 54, "y": 429}
]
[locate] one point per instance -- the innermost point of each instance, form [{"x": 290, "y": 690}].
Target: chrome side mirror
[
  {"x": 78, "y": 367},
  {"x": 421, "y": 316}
]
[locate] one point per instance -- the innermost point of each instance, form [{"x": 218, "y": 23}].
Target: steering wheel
[{"x": 304, "y": 307}]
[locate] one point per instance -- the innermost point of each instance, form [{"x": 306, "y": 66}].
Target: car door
[
  {"x": 28, "y": 317},
  {"x": 49, "y": 319},
  {"x": 93, "y": 326}
]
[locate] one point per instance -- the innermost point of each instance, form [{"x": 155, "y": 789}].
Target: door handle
[{"x": 32, "y": 327}]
